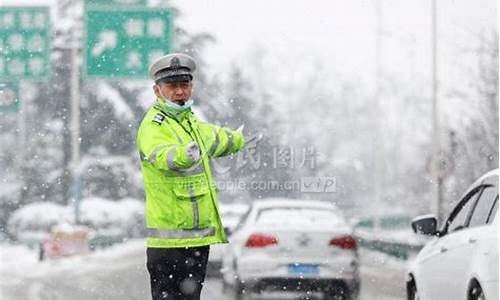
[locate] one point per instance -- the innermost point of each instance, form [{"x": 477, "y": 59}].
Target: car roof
[
  {"x": 280, "y": 202},
  {"x": 487, "y": 175},
  {"x": 491, "y": 173},
  {"x": 233, "y": 207}
]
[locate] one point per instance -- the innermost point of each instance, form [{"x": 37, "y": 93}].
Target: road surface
[{"x": 119, "y": 273}]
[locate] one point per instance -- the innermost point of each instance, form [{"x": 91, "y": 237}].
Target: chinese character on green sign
[
  {"x": 123, "y": 43},
  {"x": 115, "y": 2},
  {"x": 9, "y": 101},
  {"x": 24, "y": 43}
]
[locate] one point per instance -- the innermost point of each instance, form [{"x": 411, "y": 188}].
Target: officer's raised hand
[{"x": 251, "y": 137}]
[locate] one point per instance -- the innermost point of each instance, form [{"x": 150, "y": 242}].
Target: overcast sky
[{"x": 341, "y": 33}]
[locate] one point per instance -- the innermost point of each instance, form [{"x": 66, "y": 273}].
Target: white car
[
  {"x": 461, "y": 262},
  {"x": 292, "y": 246}
]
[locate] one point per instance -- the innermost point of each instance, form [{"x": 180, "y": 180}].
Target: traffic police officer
[{"x": 182, "y": 214}]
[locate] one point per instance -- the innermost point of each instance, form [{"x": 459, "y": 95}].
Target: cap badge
[{"x": 175, "y": 62}]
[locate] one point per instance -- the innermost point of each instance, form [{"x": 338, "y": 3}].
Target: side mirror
[
  {"x": 426, "y": 225},
  {"x": 227, "y": 231}
]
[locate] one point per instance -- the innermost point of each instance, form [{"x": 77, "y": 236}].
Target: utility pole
[
  {"x": 76, "y": 171},
  {"x": 435, "y": 167},
  {"x": 377, "y": 140},
  {"x": 21, "y": 125}
]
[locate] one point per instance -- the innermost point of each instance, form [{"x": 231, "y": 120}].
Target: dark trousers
[{"x": 177, "y": 273}]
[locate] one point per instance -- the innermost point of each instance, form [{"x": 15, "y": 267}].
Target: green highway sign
[
  {"x": 122, "y": 42},
  {"x": 115, "y": 2},
  {"x": 24, "y": 43},
  {"x": 9, "y": 97}
]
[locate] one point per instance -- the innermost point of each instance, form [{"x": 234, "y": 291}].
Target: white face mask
[
  {"x": 178, "y": 107},
  {"x": 174, "y": 105}
]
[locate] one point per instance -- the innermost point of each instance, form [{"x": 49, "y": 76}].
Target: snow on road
[
  {"x": 119, "y": 272},
  {"x": 382, "y": 276}
]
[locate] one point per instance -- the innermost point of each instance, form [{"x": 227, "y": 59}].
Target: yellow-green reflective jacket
[{"x": 181, "y": 197}]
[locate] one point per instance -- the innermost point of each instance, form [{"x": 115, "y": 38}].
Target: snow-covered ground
[
  {"x": 17, "y": 259},
  {"x": 119, "y": 272},
  {"x": 22, "y": 275}
]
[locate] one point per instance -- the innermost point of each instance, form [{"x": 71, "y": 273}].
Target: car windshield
[{"x": 299, "y": 215}]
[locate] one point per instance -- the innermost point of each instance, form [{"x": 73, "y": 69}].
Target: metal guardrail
[
  {"x": 391, "y": 243},
  {"x": 104, "y": 241},
  {"x": 397, "y": 249}
]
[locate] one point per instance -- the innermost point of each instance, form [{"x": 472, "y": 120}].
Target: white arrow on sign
[
  {"x": 107, "y": 40},
  {"x": 133, "y": 60}
]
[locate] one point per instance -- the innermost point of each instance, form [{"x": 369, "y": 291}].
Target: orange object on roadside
[{"x": 65, "y": 240}]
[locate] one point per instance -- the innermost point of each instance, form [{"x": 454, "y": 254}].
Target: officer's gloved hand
[
  {"x": 193, "y": 151},
  {"x": 240, "y": 129},
  {"x": 251, "y": 137}
]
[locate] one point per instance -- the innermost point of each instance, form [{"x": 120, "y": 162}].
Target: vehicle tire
[
  {"x": 476, "y": 292},
  {"x": 41, "y": 253},
  {"x": 338, "y": 292},
  {"x": 411, "y": 291},
  {"x": 238, "y": 292},
  {"x": 225, "y": 286}
]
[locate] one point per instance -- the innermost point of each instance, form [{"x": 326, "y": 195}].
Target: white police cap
[{"x": 173, "y": 67}]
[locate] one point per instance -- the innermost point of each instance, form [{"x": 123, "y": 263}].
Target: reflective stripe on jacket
[{"x": 181, "y": 198}]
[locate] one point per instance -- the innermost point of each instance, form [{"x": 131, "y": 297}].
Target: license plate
[{"x": 303, "y": 269}]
